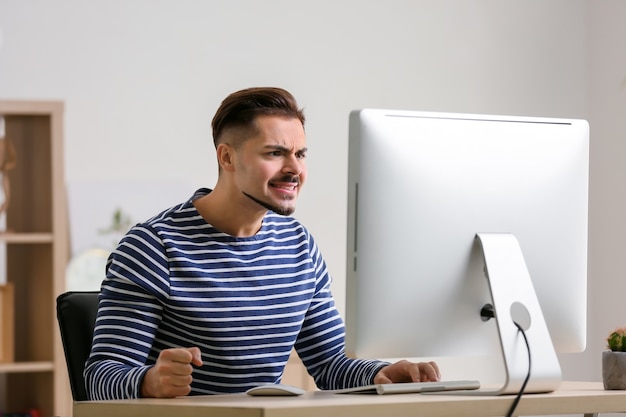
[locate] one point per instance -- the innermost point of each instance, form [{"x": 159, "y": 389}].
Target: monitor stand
[{"x": 514, "y": 300}]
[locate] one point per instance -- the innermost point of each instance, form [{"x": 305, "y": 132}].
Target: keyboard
[{"x": 411, "y": 387}]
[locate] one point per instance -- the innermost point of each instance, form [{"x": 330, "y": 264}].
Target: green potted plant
[{"x": 614, "y": 360}]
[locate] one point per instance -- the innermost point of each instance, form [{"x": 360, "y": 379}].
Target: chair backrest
[{"x": 76, "y": 313}]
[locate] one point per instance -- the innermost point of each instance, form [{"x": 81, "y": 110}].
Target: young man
[{"x": 211, "y": 296}]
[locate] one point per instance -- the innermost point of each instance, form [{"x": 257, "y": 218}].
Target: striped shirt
[{"x": 175, "y": 281}]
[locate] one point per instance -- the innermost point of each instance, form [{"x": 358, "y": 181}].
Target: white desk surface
[{"x": 571, "y": 398}]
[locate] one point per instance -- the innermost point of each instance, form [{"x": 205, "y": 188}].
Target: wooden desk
[{"x": 584, "y": 398}]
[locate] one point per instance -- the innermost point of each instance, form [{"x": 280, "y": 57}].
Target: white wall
[
  {"x": 607, "y": 116},
  {"x": 141, "y": 80}
]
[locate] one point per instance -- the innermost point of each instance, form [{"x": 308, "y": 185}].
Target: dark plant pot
[{"x": 614, "y": 370}]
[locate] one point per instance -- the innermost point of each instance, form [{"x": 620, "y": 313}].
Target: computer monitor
[{"x": 449, "y": 213}]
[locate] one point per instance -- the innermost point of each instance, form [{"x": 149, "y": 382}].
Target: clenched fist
[{"x": 171, "y": 374}]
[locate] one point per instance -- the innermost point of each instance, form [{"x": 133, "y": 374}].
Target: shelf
[
  {"x": 29, "y": 108},
  {"x": 22, "y": 367},
  {"x": 10, "y": 237},
  {"x": 35, "y": 245}
]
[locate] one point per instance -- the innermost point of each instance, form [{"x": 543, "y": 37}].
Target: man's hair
[{"x": 240, "y": 109}]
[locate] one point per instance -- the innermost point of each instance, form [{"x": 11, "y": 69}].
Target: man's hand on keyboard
[{"x": 405, "y": 371}]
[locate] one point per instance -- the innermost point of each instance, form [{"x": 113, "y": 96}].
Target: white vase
[{"x": 614, "y": 370}]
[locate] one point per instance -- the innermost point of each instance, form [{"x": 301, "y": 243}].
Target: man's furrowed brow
[
  {"x": 285, "y": 149},
  {"x": 277, "y": 148}
]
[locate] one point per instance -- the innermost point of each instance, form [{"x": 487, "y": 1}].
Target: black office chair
[{"x": 76, "y": 313}]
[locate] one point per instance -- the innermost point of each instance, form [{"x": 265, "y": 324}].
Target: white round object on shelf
[{"x": 86, "y": 270}]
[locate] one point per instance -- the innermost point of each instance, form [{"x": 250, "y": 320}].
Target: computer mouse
[{"x": 275, "y": 390}]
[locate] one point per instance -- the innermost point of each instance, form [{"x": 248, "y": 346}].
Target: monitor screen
[{"x": 421, "y": 187}]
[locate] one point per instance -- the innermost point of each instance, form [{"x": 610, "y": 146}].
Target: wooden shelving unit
[{"x": 37, "y": 251}]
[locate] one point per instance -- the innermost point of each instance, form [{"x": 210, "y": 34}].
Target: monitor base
[{"x": 514, "y": 300}]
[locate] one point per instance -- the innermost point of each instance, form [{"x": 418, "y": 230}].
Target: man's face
[{"x": 270, "y": 167}]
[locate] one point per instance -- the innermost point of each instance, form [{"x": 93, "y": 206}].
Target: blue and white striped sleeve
[
  {"x": 128, "y": 317},
  {"x": 321, "y": 343}
]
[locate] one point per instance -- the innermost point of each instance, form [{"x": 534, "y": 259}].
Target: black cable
[{"x": 521, "y": 391}]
